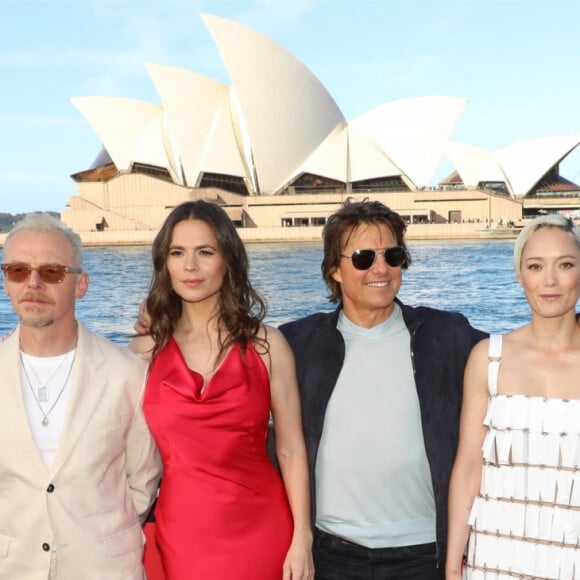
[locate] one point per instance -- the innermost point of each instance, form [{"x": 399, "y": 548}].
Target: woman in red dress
[{"x": 217, "y": 373}]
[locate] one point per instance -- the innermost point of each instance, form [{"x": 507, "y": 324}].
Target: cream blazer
[{"x": 89, "y": 508}]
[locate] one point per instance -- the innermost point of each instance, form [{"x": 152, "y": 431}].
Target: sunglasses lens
[
  {"x": 52, "y": 274},
  {"x": 21, "y": 272},
  {"x": 363, "y": 259},
  {"x": 396, "y": 256},
  {"x": 16, "y": 272}
]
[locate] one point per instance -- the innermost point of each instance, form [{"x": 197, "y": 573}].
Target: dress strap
[{"x": 493, "y": 360}]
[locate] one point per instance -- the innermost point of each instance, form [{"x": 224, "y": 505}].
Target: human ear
[
  {"x": 336, "y": 275},
  {"x": 82, "y": 285}
]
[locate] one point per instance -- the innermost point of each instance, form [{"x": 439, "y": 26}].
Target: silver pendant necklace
[{"x": 40, "y": 394}]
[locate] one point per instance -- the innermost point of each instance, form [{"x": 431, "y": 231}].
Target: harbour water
[{"x": 474, "y": 277}]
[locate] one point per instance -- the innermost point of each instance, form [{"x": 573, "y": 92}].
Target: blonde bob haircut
[{"x": 552, "y": 220}]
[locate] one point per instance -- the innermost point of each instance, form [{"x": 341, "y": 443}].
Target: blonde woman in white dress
[{"x": 514, "y": 498}]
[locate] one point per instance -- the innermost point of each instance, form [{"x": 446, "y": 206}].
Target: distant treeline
[{"x": 7, "y": 220}]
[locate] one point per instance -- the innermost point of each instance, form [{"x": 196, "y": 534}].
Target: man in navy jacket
[{"x": 381, "y": 386}]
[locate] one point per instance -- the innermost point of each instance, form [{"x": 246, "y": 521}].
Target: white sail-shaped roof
[
  {"x": 330, "y": 158},
  {"x": 130, "y": 130},
  {"x": 525, "y": 163},
  {"x": 367, "y": 160},
  {"x": 413, "y": 132},
  {"x": 475, "y": 164},
  {"x": 274, "y": 123},
  {"x": 102, "y": 158},
  {"x": 287, "y": 112},
  {"x": 198, "y": 111}
]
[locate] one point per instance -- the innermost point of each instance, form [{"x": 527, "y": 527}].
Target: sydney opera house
[{"x": 274, "y": 149}]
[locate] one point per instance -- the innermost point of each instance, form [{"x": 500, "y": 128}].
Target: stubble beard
[{"x": 36, "y": 321}]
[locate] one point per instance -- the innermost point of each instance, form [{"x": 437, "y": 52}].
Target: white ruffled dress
[{"x": 526, "y": 519}]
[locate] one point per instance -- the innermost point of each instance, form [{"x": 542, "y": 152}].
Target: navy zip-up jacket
[{"x": 440, "y": 344}]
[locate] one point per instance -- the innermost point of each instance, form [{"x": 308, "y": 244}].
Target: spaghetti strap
[{"x": 494, "y": 360}]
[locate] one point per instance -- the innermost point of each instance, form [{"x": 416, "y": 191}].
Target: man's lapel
[
  {"x": 17, "y": 439},
  {"x": 88, "y": 385}
]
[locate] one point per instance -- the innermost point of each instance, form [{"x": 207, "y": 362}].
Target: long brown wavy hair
[{"x": 241, "y": 309}]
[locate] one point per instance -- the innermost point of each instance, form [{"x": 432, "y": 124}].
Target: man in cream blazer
[{"x": 78, "y": 467}]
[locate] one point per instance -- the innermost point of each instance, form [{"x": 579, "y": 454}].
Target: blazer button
[
  {"x": 50, "y": 488},
  {"x": 46, "y": 547}
]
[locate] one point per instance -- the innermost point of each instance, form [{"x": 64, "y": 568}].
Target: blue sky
[{"x": 515, "y": 61}]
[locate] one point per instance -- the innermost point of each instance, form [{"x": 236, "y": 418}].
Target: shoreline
[{"x": 423, "y": 232}]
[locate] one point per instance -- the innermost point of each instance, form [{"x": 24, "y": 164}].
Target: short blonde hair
[
  {"x": 46, "y": 222},
  {"x": 552, "y": 220}
]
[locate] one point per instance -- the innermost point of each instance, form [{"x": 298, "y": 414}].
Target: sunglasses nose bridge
[
  {"x": 34, "y": 277},
  {"x": 381, "y": 259}
]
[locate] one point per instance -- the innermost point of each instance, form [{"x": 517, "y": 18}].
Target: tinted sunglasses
[
  {"x": 49, "y": 273},
  {"x": 364, "y": 259}
]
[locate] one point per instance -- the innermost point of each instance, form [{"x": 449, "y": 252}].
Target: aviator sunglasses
[
  {"x": 364, "y": 259},
  {"x": 49, "y": 273}
]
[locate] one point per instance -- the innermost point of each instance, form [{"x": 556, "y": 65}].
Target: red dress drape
[{"x": 222, "y": 510}]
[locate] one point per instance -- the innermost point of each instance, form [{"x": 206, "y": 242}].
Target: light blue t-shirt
[{"x": 373, "y": 484}]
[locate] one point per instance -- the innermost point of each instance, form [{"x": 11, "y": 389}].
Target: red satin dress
[{"x": 222, "y": 511}]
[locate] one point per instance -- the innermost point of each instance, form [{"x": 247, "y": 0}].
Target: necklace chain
[
  {"x": 45, "y": 415},
  {"x": 42, "y": 390}
]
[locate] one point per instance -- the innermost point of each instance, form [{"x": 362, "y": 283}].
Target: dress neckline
[
  {"x": 204, "y": 383},
  {"x": 535, "y": 397}
]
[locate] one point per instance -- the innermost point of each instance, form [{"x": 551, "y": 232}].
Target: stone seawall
[{"x": 301, "y": 234}]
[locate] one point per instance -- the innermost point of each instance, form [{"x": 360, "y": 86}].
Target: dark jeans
[{"x": 337, "y": 559}]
